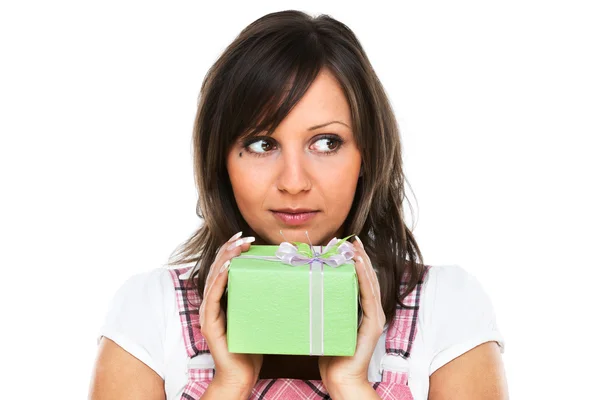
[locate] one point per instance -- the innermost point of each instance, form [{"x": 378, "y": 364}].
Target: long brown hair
[{"x": 250, "y": 89}]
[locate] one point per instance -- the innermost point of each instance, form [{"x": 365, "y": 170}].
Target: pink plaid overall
[{"x": 398, "y": 342}]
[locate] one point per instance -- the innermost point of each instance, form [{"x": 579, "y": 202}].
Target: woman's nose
[{"x": 293, "y": 176}]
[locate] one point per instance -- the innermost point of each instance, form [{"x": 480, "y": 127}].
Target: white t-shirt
[{"x": 456, "y": 315}]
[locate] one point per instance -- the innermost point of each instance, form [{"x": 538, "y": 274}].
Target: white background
[{"x": 498, "y": 109}]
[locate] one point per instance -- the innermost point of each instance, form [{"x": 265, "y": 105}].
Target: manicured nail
[
  {"x": 225, "y": 267},
  {"x": 240, "y": 242},
  {"x": 360, "y": 242},
  {"x": 359, "y": 258},
  {"x": 236, "y": 236},
  {"x": 235, "y": 244}
]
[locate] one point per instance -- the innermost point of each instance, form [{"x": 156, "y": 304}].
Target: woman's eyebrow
[{"x": 312, "y": 128}]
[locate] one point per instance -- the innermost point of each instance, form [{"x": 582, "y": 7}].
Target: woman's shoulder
[
  {"x": 447, "y": 275},
  {"x": 452, "y": 285},
  {"x": 456, "y": 313},
  {"x": 139, "y": 314},
  {"x": 153, "y": 283},
  {"x": 141, "y": 294},
  {"x": 159, "y": 278}
]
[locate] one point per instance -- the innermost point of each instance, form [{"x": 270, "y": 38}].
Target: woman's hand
[
  {"x": 349, "y": 374},
  {"x": 232, "y": 371}
]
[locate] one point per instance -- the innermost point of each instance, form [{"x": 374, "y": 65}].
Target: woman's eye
[
  {"x": 260, "y": 146},
  {"x": 325, "y": 145},
  {"x": 328, "y": 144}
]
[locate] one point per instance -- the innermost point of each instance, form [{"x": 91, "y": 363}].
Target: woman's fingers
[
  {"x": 370, "y": 269},
  {"x": 218, "y": 260},
  {"x": 212, "y": 310},
  {"x": 233, "y": 367},
  {"x": 229, "y": 241},
  {"x": 215, "y": 283},
  {"x": 369, "y": 286},
  {"x": 367, "y": 290},
  {"x": 373, "y": 319},
  {"x": 236, "y": 236},
  {"x": 232, "y": 248}
]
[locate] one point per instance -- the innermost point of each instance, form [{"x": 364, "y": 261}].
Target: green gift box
[{"x": 277, "y": 308}]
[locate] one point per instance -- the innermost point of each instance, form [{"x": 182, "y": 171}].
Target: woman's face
[{"x": 309, "y": 163}]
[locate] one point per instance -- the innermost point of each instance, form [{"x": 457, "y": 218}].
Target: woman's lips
[{"x": 295, "y": 219}]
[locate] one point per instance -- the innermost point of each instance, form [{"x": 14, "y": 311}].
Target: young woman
[{"x": 294, "y": 134}]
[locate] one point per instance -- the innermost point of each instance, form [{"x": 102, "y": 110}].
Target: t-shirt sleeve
[
  {"x": 136, "y": 318},
  {"x": 461, "y": 315}
]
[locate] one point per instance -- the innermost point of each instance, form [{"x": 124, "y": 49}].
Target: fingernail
[
  {"x": 359, "y": 258},
  {"x": 239, "y": 242},
  {"x": 360, "y": 242},
  {"x": 225, "y": 266},
  {"x": 236, "y": 236},
  {"x": 235, "y": 244}
]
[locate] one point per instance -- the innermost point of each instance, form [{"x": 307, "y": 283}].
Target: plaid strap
[
  {"x": 399, "y": 339},
  {"x": 293, "y": 389},
  {"x": 403, "y": 329},
  {"x": 198, "y": 381},
  {"x": 394, "y": 384},
  {"x": 188, "y": 303}
]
